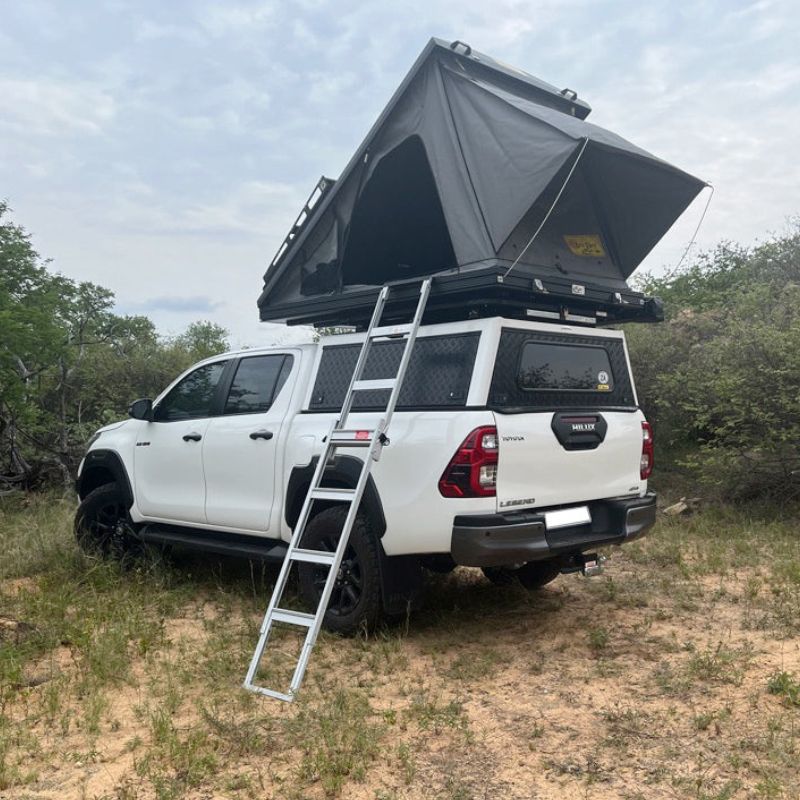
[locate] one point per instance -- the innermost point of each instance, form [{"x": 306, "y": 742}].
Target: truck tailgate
[
  {"x": 536, "y": 469},
  {"x": 568, "y": 425}
]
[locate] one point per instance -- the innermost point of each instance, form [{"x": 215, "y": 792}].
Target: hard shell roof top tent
[{"x": 474, "y": 167}]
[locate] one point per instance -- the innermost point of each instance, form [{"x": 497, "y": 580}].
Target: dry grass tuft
[{"x": 673, "y": 675}]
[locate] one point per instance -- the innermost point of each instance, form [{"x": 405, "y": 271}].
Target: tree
[
  {"x": 69, "y": 364},
  {"x": 202, "y": 339},
  {"x": 720, "y": 379}
]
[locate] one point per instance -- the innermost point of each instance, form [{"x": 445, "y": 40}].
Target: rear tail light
[
  {"x": 646, "y": 462},
  {"x": 472, "y": 472}
]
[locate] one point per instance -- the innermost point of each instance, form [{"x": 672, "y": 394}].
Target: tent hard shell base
[{"x": 479, "y": 293}]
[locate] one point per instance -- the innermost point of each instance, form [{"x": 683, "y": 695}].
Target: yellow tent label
[{"x": 585, "y": 245}]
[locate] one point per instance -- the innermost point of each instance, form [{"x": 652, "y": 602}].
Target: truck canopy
[{"x": 456, "y": 176}]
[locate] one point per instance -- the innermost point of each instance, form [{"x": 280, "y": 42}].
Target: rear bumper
[{"x": 493, "y": 540}]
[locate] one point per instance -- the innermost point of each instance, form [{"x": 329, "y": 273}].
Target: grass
[
  {"x": 786, "y": 686},
  {"x": 688, "y": 644}
]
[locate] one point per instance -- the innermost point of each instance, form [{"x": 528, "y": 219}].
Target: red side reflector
[{"x": 362, "y": 435}]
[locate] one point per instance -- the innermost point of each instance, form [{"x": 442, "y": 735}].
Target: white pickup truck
[{"x": 516, "y": 447}]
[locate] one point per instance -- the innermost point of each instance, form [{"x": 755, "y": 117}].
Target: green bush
[
  {"x": 720, "y": 379},
  {"x": 69, "y": 364}
]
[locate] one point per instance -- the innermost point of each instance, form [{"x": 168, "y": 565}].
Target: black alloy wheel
[
  {"x": 103, "y": 525},
  {"x": 355, "y": 603}
]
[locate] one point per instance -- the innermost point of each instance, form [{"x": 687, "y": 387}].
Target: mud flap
[{"x": 401, "y": 583}]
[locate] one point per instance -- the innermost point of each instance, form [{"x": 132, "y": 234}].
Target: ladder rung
[
  {"x": 312, "y": 556},
  {"x": 342, "y": 495},
  {"x": 292, "y": 617},
  {"x": 352, "y": 438},
  {"x": 382, "y": 383},
  {"x": 269, "y": 692},
  {"x": 390, "y": 330}
]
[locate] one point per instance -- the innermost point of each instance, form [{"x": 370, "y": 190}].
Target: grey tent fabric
[{"x": 460, "y": 170}]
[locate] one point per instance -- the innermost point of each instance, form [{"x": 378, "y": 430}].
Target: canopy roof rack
[{"x": 493, "y": 182}]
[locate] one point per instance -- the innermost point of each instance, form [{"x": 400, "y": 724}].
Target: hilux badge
[{"x": 582, "y": 426}]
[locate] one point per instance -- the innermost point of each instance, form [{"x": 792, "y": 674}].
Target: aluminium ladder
[{"x": 338, "y": 436}]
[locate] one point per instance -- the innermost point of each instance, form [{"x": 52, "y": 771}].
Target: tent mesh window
[
  {"x": 507, "y": 394},
  {"x": 398, "y": 228},
  {"x": 438, "y": 376}
]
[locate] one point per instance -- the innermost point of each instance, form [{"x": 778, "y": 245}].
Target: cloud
[
  {"x": 179, "y": 304},
  {"x": 42, "y": 106},
  {"x": 171, "y": 145},
  {"x": 150, "y": 30},
  {"x": 246, "y": 210},
  {"x": 221, "y": 19}
]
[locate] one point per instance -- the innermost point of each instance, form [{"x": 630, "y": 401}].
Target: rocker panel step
[{"x": 226, "y": 544}]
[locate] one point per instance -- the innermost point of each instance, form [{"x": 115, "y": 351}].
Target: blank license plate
[{"x": 565, "y": 517}]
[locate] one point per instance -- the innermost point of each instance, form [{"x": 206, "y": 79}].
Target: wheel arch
[
  {"x": 343, "y": 473},
  {"x": 101, "y": 467}
]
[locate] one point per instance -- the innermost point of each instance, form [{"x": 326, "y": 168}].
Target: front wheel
[
  {"x": 532, "y": 575},
  {"x": 355, "y": 602},
  {"x": 103, "y": 525}
]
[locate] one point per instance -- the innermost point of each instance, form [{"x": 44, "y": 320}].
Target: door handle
[
  {"x": 192, "y": 437},
  {"x": 261, "y": 434}
]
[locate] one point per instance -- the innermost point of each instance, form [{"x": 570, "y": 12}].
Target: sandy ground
[{"x": 630, "y": 685}]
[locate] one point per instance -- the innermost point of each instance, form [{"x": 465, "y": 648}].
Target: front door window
[{"x": 192, "y": 398}]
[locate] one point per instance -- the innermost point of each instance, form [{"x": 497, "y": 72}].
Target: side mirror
[{"x": 142, "y": 409}]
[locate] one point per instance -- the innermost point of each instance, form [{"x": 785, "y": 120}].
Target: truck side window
[
  {"x": 257, "y": 383},
  {"x": 560, "y": 367},
  {"x": 192, "y": 397}
]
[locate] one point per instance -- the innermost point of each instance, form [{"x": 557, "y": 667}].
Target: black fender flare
[
  {"x": 401, "y": 576},
  {"x": 98, "y": 466},
  {"x": 343, "y": 471}
]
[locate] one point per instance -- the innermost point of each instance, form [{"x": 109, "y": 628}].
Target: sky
[{"x": 163, "y": 149}]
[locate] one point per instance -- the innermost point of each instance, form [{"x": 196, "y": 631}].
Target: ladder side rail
[
  {"x": 425, "y": 290},
  {"x": 327, "y": 590},
  {"x": 283, "y": 575},
  {"x": 363, "y": 355},
  {"x": 376, "y": 444}
]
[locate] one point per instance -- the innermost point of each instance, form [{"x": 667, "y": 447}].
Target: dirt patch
[{"x": 650, "y": 681}]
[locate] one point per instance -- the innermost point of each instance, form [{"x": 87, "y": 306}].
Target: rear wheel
[
  {"x": 103, "y": 525},
  {"x": 356, "y": 598},
  {"x": 532, "y": 575}
]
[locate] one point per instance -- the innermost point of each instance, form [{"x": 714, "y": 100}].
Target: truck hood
[{"x": 112, "y": 427}]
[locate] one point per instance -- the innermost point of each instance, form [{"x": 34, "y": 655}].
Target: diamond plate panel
[{"x": 438, "y": 375}]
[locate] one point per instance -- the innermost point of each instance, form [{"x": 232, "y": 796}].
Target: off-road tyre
[
  {"x": 356, "y": 602},
  {"x": 103, "y": 525},
  {"x": 532, "y": 575}
]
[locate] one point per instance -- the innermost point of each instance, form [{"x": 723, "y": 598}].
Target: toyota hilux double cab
[{"x": 516, "y": 446}]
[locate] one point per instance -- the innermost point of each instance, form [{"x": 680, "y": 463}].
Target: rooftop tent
[{"x": 469, "y": 162}]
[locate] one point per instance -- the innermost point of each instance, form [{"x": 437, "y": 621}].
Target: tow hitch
[{"x": 588, "y": 564}]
